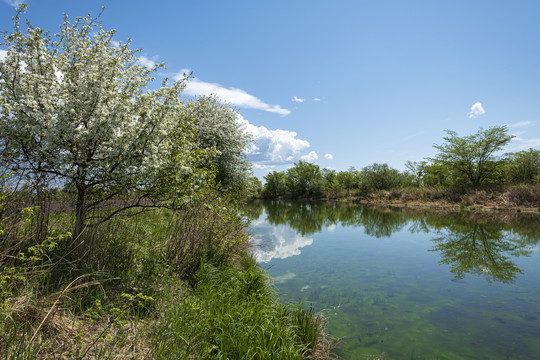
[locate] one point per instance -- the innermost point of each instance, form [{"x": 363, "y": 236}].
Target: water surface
[{"x": 408, "y": 283}]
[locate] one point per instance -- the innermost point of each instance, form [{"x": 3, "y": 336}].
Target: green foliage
[
  {"x": 347, "y": 180},
  {"x": 523, "y": 167},
  {"x": 377, "y": 177},
  {"x": 219, "y": 131},
  {"x": 208, "y": 231},
  {"x": 471, "y": 159},
  {"x": 305, "y": 179},
  {"x": 254, "y": 187},
  {"x": 276, "y": 184},
  {"x": 418, "y": 170}
]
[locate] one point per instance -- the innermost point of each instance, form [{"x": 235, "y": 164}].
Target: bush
[{"x": 209, "y": 231}]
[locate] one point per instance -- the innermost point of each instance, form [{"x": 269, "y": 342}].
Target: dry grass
[{"x": 523, "y": 198}]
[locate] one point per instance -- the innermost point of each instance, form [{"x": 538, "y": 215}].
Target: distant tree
[
  {"x": 524, "y": 166},
  {"x": 76, "y": 106},
  {"x": 254, "y": 187},
  {"x": 417, "y": 170},
  {"x": 436, "y": 175},
  {"x": 330, "y": 183},
  {"x": 276, "y": 184},
  {"x": 219, "y": 131},
  {"x": 471, "y": 159},
  {"x": 380, "y": 177},
  {"x": 347, "y": 180},
  {"x": 305, "y": 179}
]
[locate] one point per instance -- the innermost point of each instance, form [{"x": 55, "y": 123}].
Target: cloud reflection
[{"x": 277, "y": 242}]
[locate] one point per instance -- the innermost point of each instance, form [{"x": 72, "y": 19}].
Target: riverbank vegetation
[
  {"x": 121, "y": 229},
  {"x": 467, "y": 171}
]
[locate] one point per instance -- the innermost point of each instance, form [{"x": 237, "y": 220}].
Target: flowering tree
[
  {"x": 76, "y": 106},
  {"x": 218, "y": 130}
]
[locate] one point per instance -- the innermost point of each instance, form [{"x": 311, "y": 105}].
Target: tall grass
[
  {"x": 232, "y": 313},
  {"x": 159, "y": 284}
]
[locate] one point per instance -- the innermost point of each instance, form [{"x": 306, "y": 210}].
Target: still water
[{"x": 412, "y": 284}]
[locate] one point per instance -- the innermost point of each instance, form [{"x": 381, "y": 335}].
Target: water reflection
[
  {"x": 480, "y": 244},
  {"x": 482, "y": 250},
  {"x": 272, "y": 242}
]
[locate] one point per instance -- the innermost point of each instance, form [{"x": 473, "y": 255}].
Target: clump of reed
[{"x": 234, "y": 314}]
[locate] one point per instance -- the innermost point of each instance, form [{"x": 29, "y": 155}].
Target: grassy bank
[
  {"x": 518, "y": 198},
  {"x": 522, "y": 198},
  {"x": 158, "y": 284}
]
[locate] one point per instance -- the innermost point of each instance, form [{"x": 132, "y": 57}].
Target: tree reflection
[
  {"x": 482, "y": 244},
  {"x": 311, "y": 218},
  {"x": 483, "y": 250}
]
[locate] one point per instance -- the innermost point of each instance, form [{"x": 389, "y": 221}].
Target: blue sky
[{"x": 341, "y": 83}]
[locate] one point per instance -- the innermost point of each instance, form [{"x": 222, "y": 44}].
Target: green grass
[
  {"x": 157, "y": 285},
  {"x": 233, "y": 313}
]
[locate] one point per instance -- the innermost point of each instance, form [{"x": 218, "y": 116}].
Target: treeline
[{"x": 469, "y": 162}]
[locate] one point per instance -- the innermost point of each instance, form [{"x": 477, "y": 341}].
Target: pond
[{"x": 406, "y": 283}]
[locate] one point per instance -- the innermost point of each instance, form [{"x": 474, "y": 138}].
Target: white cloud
[
  {"x": 297, "y": 99},
  {"x": 526, "y": 143},
  {"x": 144, "y": 61},
  {"x": 522, "y": 124},
  {"x": 331, "y": 227},
  {"x": 272, "y": 146},
  {"x": 316, "y": 99},
  {"x": 263, "y": 167},
  {"x": 3, "y": 54},
  {"x": 329, "y": 156},
  {"x": 14, "y": 3},
  {"x": 233, "y": 96},
  {"x": 476, "y": 110},
  {"x": 312, "y": 156}
]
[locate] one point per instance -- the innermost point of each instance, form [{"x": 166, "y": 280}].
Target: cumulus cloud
[
  {"x": 272, "y": 147},
  {"x": 329, "y": 156},
  {"x": 476, "y": 110},
  {"x": 316, "y": 99},
  {"x": 297, "y": 99},
  {"x": 233, "y": 96},
  {"x": 312, "y": 156},
  {"x": 3, "y": 54},
  {"x": 144, "y": 61}
]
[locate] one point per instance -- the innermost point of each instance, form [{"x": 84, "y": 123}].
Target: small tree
[
  {"x": 75, "y": 106},
  {"x": 471, "y": 159}
]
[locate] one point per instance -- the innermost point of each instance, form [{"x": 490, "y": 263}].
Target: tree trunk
[{"x": 80, "y": 210}]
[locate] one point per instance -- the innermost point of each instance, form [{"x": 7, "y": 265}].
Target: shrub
[{"x": 209, "y": 231}]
